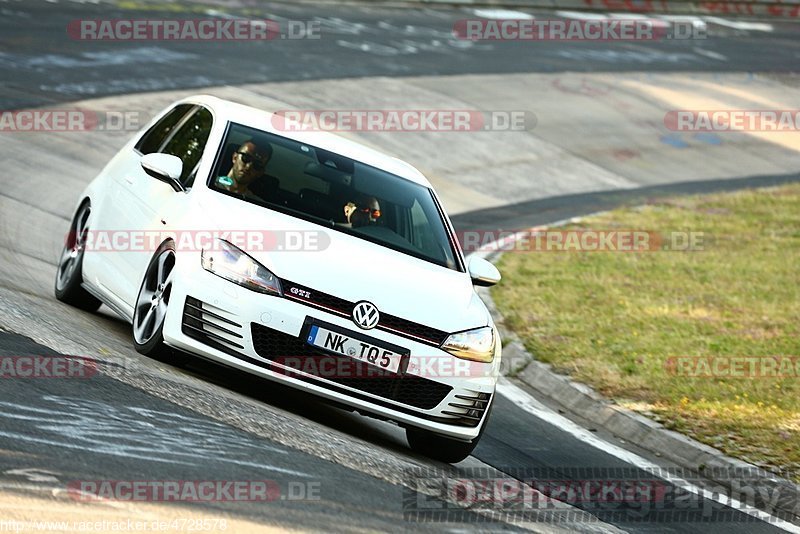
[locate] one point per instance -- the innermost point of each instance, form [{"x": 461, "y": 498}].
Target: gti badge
[{"x": 366, "y": 315}]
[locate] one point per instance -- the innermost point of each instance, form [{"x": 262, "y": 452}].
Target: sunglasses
[
  {"x": 247, "y": 159},
  {"x": 375, "y": 213}
]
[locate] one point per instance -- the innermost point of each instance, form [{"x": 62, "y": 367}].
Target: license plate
[{"x": 340, "y": 343}]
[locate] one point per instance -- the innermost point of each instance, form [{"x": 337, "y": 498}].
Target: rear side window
[
  {"x": 189, "y": 141},
  {"x": 155, "y": 136}
]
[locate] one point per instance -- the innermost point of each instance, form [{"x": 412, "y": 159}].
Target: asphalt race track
[{"x": 141, "y": 419}]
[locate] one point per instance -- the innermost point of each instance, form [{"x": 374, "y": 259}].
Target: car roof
[{"x": 263, "y": 120}]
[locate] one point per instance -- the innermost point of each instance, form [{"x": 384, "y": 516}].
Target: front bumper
[{"x": 259, "y": 334}]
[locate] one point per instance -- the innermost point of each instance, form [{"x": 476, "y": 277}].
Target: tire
[
  {"x": 69, "y": 274},
  {"x": 152, "y": 302},
  {"x": 442, "y": 448}
]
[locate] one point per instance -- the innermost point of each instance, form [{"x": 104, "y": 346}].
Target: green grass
[{"x": 612, "y": 320}]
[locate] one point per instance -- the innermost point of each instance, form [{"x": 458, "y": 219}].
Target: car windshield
[{"x": 334, "y": 191}]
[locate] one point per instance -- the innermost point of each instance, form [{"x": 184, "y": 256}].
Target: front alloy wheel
[
  {"x": 442, "y": 448},
  {"x": 152, "y": 303},
  {"x": 438, "y": 447}
]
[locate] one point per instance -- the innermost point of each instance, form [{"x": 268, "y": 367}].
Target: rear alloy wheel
[
  {"x": 69, "y": 275},
  {"x": 151, "y": 306}
]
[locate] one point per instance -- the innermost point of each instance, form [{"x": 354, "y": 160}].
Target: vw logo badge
[{"x": 366, "y": 315}]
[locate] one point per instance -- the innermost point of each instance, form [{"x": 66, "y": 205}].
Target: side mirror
[
  {"x": 482, "y": 272},
  {"x": 164, "y": 167}
]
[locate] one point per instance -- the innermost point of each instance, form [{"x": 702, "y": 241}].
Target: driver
[{"x": 249, "y": 162}]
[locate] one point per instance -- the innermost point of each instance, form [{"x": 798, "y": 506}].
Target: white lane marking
[
  {"x": 655, "y": 23},
  {"x": 643, "y": 55},
  {"x": 580, "y": 15},
  {"x": 696, "y": 22},
  {"x": 501, "y": 14},
  {"x": 26, "y": 487},
  {"x": 537, "y": 409},
  {"x": 709, "y": 53},
  {"x": 33, "y": 474},
  {"x": 741, "y": 24},
  {"x": 219, "y": 14}
]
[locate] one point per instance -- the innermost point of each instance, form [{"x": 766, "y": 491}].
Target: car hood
[{"x": 353, "y": 269}]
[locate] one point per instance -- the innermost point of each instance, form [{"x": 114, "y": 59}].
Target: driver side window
[
  {"x": 189, "y": 141},
  {"x": 155, "y": 136}
]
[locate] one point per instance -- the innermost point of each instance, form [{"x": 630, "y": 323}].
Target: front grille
[
  {"x": 405, "y": 389},
  {"x": 208, "y": 324},
  {"x": 344, "y": 308},
  {"x": 416, "y": 330}
]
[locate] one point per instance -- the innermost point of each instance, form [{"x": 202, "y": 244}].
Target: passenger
[{"x": 365, "y": 213}]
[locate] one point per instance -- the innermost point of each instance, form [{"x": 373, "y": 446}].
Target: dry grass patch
[{"x": 615, "y": 320}]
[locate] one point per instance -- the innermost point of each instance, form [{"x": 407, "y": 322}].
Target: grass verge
[{"x": 638, "y": 326}]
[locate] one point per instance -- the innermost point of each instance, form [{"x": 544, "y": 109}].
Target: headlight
[
  {"x": 476, "y": 345},
  {"x": 230, "y": 263}
]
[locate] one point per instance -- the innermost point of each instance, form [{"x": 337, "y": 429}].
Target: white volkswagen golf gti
[{"x": 223, "y": 232}]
